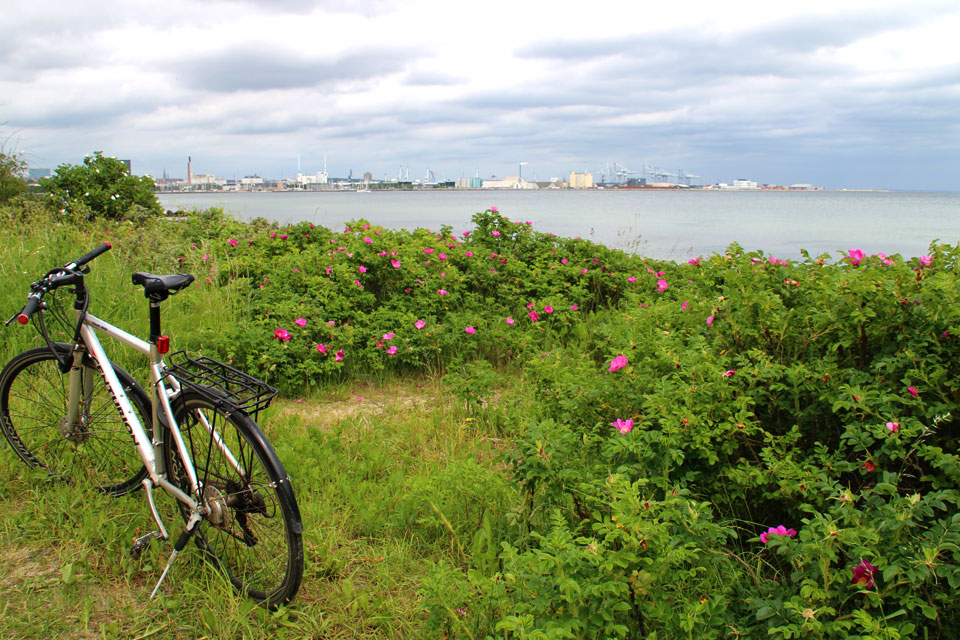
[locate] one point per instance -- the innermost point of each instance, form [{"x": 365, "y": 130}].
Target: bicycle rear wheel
[
  {"x": 96, "y": 449},
  {"x": 252, "y": 532}
]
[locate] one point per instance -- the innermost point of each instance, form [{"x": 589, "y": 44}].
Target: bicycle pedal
[{"x": 141, "y": 543}]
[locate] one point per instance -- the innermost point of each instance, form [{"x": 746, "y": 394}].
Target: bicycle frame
[{"x": 150, "y": 449}]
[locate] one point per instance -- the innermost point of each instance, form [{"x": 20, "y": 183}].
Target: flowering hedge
[
  {"x": 762, "y": 448},
  {"x": 734, "y": 446}
]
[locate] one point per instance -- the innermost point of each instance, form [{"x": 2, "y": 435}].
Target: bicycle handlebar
[
  {"x": 84, "y": 259},
  {"x": 68, "y": 274}
]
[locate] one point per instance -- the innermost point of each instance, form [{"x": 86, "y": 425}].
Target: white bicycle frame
[{"x": 149, "y": 448}]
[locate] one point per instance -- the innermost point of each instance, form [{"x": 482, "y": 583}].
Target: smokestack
[{"x": 189, "y": 170}]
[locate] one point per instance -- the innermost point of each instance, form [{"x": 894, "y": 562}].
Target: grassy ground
[{"x": 374, "y": 465}]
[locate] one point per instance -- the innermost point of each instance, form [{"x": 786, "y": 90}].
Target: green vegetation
[
  {"x": 511, "y": 435},
  {"x": 101, "y": 187}
]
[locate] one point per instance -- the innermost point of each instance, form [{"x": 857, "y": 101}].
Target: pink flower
[
  {"x": 534, "y": 316},
  {"x": 893, "y": 427},
  {"x": 339, "y": 356},
  {"x": 362, "y": 269},
  {"x": 368, "y": 240},
  {"x": 392, "y": 350},
  {"x": 563, "y": 261},
  {"x": 583, "y": 271},
  {"x": 388, "y": 336},
  {"x": 281, "y": 334},
  {"x": 495, "y": 233},
  {"x": 548, "y": 309},
  {"x": 357, "y": 282},
  {"x": 618, "y": 363},
  {"x": 530, "y": 305},
  {"x": 442, "y": 256},
  {"x": 494, "y": 209},
  {"x": 300, "y": 322},
  {"x": 863, "y": 574},
  {"x": 328, "y": 269},
  {"x": 205, "y": 257},
  {"x": 232, "y": 242},
  {"x": 441, "y": 292},
  {"x": 428, "y": 250},
  {"x": 913, "y": 391},
  {"x": 624, "y": 426},
  {"x": 777, "y": 531},
  {"x": 419, "y": 324},
  {"x": 395, "y": 263},
  {"x": 925, "y": 261},
  {"x": 855, "y": 256},
  {"x": 729, "y": 373},
  {"x": 470, "y": 330},
  {"x": 574, "y": 307},
  {"x": 469, "y": 254},
  {"x": 710, "y": 320},
  {"x": 662, "y": 285},
  {"x": 684, "y": 305},
  {"x": 510, "y": 320},
  {"x": 283, "y": 236},
  {"x": 322, "y": 348},
  {"x": 632, "y": 279},
  {"x": 694, "y": 261}
]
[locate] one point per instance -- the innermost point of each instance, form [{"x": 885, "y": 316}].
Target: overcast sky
[{"x": 837, "y": 93}]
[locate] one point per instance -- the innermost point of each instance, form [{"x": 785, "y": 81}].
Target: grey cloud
[
  {"x": 362, "y": 7},
  {"x": 257, "y": 68}
]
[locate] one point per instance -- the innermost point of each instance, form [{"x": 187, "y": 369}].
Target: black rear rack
[{"x": 220, "y": 383}]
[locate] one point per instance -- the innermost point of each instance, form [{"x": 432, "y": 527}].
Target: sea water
[{"x": 661, "y": 224}]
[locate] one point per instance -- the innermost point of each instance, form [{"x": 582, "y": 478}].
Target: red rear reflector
[
  {"x": 163, "y": 344},
  {"x": 23, "y": 318}
]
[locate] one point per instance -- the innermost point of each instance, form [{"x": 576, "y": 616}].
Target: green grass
[{"x": 365, "y": 473}]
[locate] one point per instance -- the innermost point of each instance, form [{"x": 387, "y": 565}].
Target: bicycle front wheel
[
  {"x": 252, "y": 531},
  {"x": 97, "y": 447}
]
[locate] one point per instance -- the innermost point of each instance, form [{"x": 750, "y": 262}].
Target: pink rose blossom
[
  {"x": 362, "y": 269},
  {"x": 368, "y": 240},
  {"x": 709, "y": 320},
  {"x": 392, "y": 350},
  {"x": 662, "y": 285},
  {"x": 913, "y": 391},
  {"x": 388, "y": 336},
  {"x": 428, "y": 250},
  {"x": 777, "y": 531},
  {"x": 548, "y": 309},
  {"x": 893, "y": 427},
  {"x": 863, "y": 575},
  {"x": 574, "y": 307},
  {"x": 729, "y": 373},
  {"x": 632, "y": 279},
  {"x": 534, "y": 316},
  {"x": 470, "y": 330},
  {"x": 624, "y": 426},
  {"x": 510, "y": 320},
  {"x": 339, "y": 356},
  {"x": 395, "y": 263},
  {"x": 300, "y": 322},
  {"x": 495, "y": 233},
  {"x": 855, "y": 256},
  {"x": 925, "y": 261},
  {"x": 322, "y": 348},
  {"x": 281, "y": 334},
  {"x": 441, "y": 292},
  {"x": 618, "y": 363},
  {"x": 232, "y": 242},
  {"x": 419, "y": 324}
]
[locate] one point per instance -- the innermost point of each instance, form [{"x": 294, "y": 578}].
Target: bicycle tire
[
  {"x": 98, "y": 449},
  {"x": 252, "y": 533}
]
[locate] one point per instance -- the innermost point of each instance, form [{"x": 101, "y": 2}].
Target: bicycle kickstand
[{"x": 192, "y": 525}]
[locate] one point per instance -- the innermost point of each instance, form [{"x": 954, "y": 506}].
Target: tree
[
  {"x": 12, "y": 168},
  {"x": 101, "y": 187}
]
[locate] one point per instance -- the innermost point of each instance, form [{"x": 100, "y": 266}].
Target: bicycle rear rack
[{"x": 220, "y": 383}]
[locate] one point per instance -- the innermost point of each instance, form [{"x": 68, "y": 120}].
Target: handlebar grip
[
  {"x": 84, "y": 259},
  {"x": 33, "y": 303}
]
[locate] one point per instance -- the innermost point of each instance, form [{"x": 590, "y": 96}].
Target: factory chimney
[{"x": 189, "y": 170}]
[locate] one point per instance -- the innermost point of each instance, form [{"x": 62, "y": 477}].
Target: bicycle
[{"x": 67, "y": 409}]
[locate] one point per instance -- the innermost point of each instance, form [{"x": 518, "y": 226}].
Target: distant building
[
  {"x": 581, "y": 180},
  {"x": 740, "y": 185},
  {"x": 251, "y": 182},
  {"x": 510, "y": 182},
  {"x": 469, "y": 183}
]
